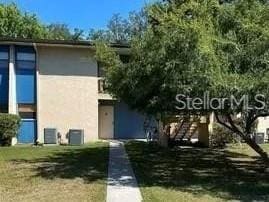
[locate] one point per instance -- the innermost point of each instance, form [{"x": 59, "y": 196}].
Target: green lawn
[
  {"x": 202, "y": 175},
  {"x": 54, "y": 173}
]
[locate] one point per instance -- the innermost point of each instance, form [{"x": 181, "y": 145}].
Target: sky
[{"x": 83, "y": 14}]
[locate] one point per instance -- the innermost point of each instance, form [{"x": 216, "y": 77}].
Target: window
[
  {"x": 27, "y": 115},
  {"x": 25, "y": 60},
  {"x": 3, "y": 54},
  {"x": 26, "y": 74},
  {"x": 3, "y": 64},
  {"x": 101, "y": 69},
  {"x": 27, "y": 111},
  {"x": 3, "y": 108},
  {"x": 26, "y": 56},
  {"x": 4, "y": 75}
]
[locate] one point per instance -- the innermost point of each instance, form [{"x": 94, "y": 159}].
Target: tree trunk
[
  {"x": 163, "y": 138},
  {"x": 258, "y": 149},
  {"x": 247, "y": 139}
]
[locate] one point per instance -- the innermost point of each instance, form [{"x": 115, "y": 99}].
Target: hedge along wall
[{"x": 9, "y": 126}]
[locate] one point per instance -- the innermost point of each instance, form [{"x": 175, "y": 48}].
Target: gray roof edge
[{"x": 58, "y": 42}]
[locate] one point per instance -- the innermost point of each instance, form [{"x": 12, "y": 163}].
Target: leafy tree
[
  {"x": 16, "y": 24},
  {"x": 62, "y": 32},
  {"x": 194, "y": 47},
  {"x": 59, "y": 31},
  {"x": 78, "y": 34},
  {"x": 99, "y": 35},
  {"x": 120, "y": 30}
]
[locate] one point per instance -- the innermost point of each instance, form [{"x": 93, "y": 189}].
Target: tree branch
[
  {"x": 257, "y": 116},
  {"x": 230, "y": 120},
  {"x": 223, "y": 123},
  {"x": 249, "y": 122}
]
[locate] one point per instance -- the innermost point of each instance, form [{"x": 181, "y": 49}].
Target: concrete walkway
[{"x": 121, "y": 184}]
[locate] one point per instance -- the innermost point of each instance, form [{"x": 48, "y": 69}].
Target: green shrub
[
  {"x": 9, "y": 126},
  {"x": 221, "y": 136}
]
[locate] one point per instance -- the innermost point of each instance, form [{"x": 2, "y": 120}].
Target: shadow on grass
[
  {"x": 219, "y": 173},
  {"x": 88, "y": 163}
]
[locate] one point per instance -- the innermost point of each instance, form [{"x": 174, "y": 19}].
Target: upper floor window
[
  {"x": 101, "y": 69},
  {"x": 4, "y": 77},
  {"x": 25, "y": 74},
  {"x": 4, "y": 56},
  {"x": 25, "y": 58}
]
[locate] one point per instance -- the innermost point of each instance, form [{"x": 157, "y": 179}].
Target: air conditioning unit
[
  {"x": 76, "y": 137},
  {"x": 260, "y": 138},
  {"x": 50, "y": 136}
]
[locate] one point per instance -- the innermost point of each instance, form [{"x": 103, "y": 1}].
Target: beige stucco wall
[
  {"x": 263, "y": 124},
  {"x": 67, "y": 91}
]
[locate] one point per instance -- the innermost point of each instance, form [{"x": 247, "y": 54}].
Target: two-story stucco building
[{"x": 57, "y": 84}]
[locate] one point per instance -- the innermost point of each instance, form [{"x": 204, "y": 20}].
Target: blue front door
[
  {"x": 128, "y": 124},
  {"x": 27, "y": 132}
]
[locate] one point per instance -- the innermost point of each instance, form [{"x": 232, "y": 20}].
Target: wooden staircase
[{"x": 185, "y": 129}]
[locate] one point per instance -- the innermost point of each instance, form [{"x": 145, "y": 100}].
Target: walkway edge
[{"x": 121, "y": 183}]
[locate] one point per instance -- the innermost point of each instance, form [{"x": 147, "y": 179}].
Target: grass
[
  {"x": 54, "y": 173},
  {"x": 202, "y": 175}
]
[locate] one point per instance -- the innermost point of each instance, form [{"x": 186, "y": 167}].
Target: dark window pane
[
  {"x": 3, "y": 64},
  {"x": 27, "y": 115},
  {"x": 4, "y": 56},
  {"x": 4, "y": 48},
  {"x": 3, "y": 108},
  {"x": 25, "y": 56},
  {"x": 25, "y": 64},
  {"x": 4, "y": 75},
  {"x": 101, "y": 69},
  {"x": 4, "y": 53},
  {"x": 25, "y": 49}
]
